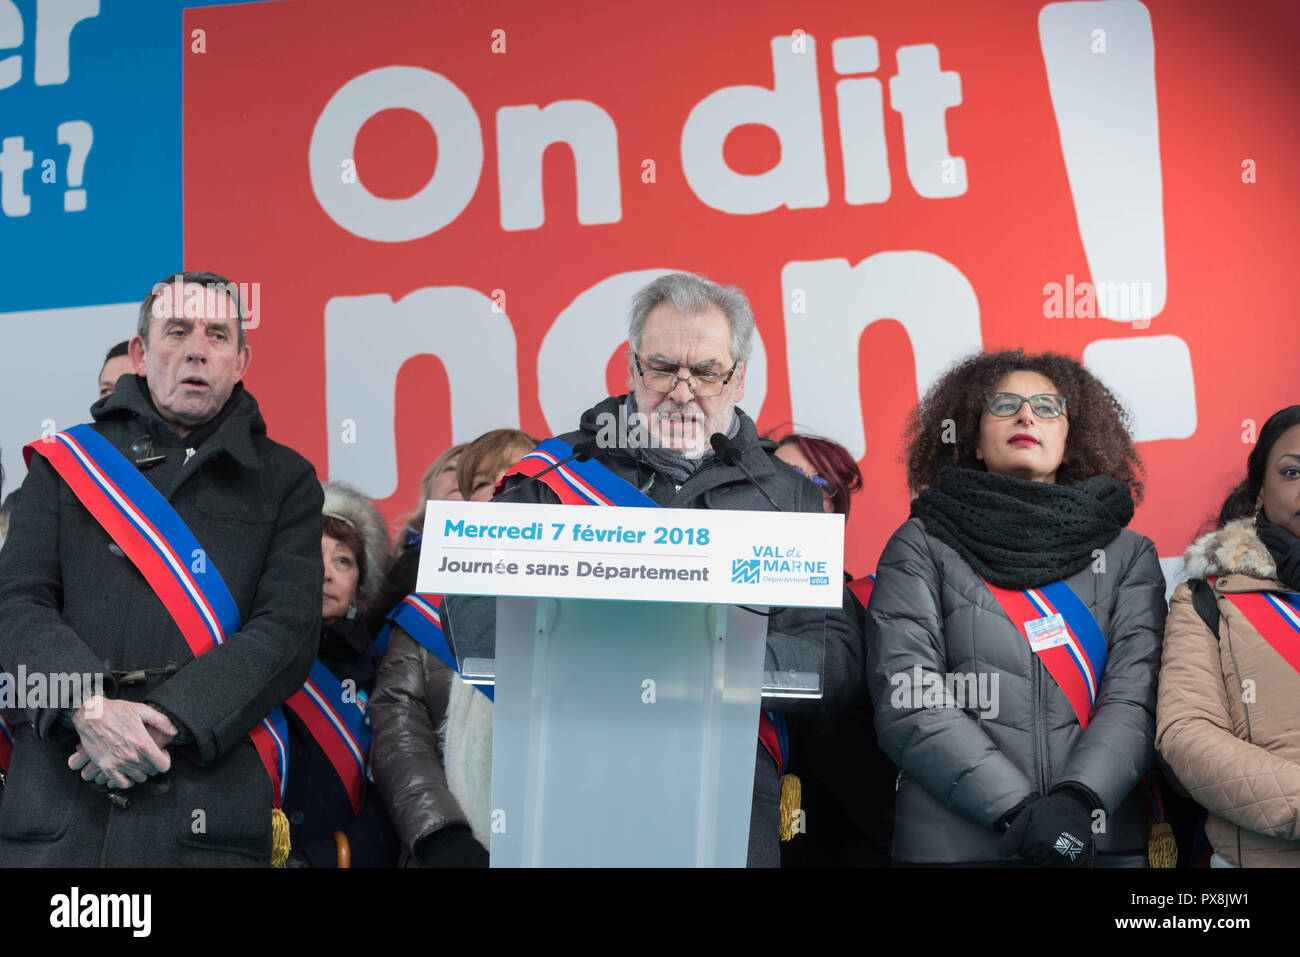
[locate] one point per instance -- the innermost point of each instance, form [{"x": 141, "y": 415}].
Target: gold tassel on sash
[
  {"x": 1162, "y": 850},
  {"x": 791, "y": 799},
  {"x": 279, "y": 838}
]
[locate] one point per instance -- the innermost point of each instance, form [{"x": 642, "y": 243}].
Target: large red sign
[{"x": 447, "y": 207}]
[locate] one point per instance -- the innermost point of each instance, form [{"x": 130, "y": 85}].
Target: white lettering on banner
[
  {"x": 11, "y": 38},
  {"x": 524, "y": 133},
  {"x": 1152, "y": 376},
  {"x": 367, "y": 338},
  {"x": 450, "y": 187},
  {"x": 642, "y": 554},
  {"x": 928, "y": 295},
  {"x": 921, "y": 93},
  {"x": 792, "y": 108},
  {"x": 54, "y": 22},
  {"x": 571, "y": 361},
  {"x": 862, "y": 121},
  {"x": 1106, "y": 113},
  {"x": 14, "y": 162}
]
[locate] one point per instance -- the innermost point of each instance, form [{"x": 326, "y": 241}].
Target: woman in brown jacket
[
  {"x": 431, "y": 750},
  {"x": 1228, "y": 712}
]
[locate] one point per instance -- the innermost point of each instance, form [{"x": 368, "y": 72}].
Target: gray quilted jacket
[{"x": 961, "y": 769}]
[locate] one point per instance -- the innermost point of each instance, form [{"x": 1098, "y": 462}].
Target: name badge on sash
[
  {"x": 1045, "y": 633},
  {"x": 1064, "y": 635}
]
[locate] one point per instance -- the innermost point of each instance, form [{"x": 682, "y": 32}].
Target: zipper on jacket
[
  {"x": 189, "y": 453},
  {"x": 1040, "y": 725}
]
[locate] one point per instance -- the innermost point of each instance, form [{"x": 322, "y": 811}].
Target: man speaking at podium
[{"x": 690, "y": 341}]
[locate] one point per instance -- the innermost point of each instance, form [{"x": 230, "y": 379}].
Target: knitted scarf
[
  {"x": 1285, "y": 549},
  {"x": 1022, "y": 534}
]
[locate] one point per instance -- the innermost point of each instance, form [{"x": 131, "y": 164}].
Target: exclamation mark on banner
[{"x": 1100, "y": 59}]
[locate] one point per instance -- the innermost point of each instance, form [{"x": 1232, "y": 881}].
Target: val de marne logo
[{"x": 745, "y": 570}]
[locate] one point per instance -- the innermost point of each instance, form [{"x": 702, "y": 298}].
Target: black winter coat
[
  {"x": 471, "y": 621},
  {"x": 315, "y": 800},
  {"x": 69, "y": 602}
]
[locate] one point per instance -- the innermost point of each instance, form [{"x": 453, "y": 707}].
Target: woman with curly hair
[{"x": 1013, "y": 634}]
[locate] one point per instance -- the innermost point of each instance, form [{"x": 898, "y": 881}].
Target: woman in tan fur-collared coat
[{"x": 1228, "y": 712}]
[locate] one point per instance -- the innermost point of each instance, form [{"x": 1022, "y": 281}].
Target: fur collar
[
  {"x": 1234, "y": 549},
  {"x": 346, "y": 503}
]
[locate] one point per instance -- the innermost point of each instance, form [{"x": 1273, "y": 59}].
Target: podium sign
[
  {"x": 628, "y": 670},
  {"x": 790, "y": 559}
]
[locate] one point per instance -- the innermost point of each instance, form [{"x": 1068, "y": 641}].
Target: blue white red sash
[
  {"x": 860, "y": 588},
  {"x": 590, "y": 483},
  {"x": 1276, "y": 616},
  {"x": 420, "y": 616},
  {"x": 157, "y": 541},
  {"x": 6, "y": 744},
  {"x": 336, "y": 718},
  {"x": 1076, "y": 658},
  {"x": 578, "y": 483}
]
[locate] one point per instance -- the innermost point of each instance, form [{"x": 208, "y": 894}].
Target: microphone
[
  {"x": 729, "y": 454},
  {"x": 582, "y": 451}
]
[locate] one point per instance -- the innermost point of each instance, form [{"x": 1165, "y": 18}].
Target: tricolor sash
[
  {"x": 860, "y": 588},
  {"x": 6, "y": 744},
  {"x": 590, "y": 483},
  {"x": 157, "y": 541},
  {"x": 578, "y": 483},
  {"x": 1065, "y": 636},
  {"x": 1276, "y": 616},
  {"x": 420, "y": 616},
  {"x": 337, "y": 720}
]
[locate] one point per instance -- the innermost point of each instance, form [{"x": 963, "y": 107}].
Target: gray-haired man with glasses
[{"x": 689, "y": 345}]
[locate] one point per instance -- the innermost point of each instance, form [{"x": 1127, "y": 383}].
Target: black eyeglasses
[
  {"x": 703, "y": 384},
  {"x": 1045, "y": 405}
]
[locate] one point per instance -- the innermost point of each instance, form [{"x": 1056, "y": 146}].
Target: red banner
[{"x": 447, "y": 206}]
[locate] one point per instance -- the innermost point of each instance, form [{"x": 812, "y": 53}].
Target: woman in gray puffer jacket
[{"x": 1025, "y": 472}]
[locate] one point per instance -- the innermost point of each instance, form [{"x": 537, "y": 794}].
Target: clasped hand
[{"x": 123, "y": 744}]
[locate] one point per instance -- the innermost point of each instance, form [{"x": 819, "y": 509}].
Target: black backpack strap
[{"x": 1206, "y": 604}]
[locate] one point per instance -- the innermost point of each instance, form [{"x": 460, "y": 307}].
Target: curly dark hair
[{"x": 1098, "y": 442}]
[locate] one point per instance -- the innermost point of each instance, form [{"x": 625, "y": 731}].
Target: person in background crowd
[
  {"x": 438, "y": 484},
  {"x": 116, "y": 780},
  {"x": 486, "y": 459},
  {"x": 1228, "y": 719},
  {"x": 690, "y": 340},
  {"x": 116, "y": 364},
  {"x": 432, "y": 746},
  {"x": 1013, "y": 634},
  {"x": 323, "y": 829},
  {"x": 848, "y": 802},
  {"x": 826, "y": 464}
]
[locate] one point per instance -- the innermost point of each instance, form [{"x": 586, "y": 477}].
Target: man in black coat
[
  {"x": 160, "y": 770},
  {"x": 690, "y": 341}
]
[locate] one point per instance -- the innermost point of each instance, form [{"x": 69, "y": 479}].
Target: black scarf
[
  {"x": 1022, "y": 534},
  {"x": 1285, "y": 549},
  {"x": 676, "y": 467}
]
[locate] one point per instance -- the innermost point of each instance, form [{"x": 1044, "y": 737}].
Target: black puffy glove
[
  {"x": 452, "y": 846},
  {"x": 1055, "y": 831}
]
